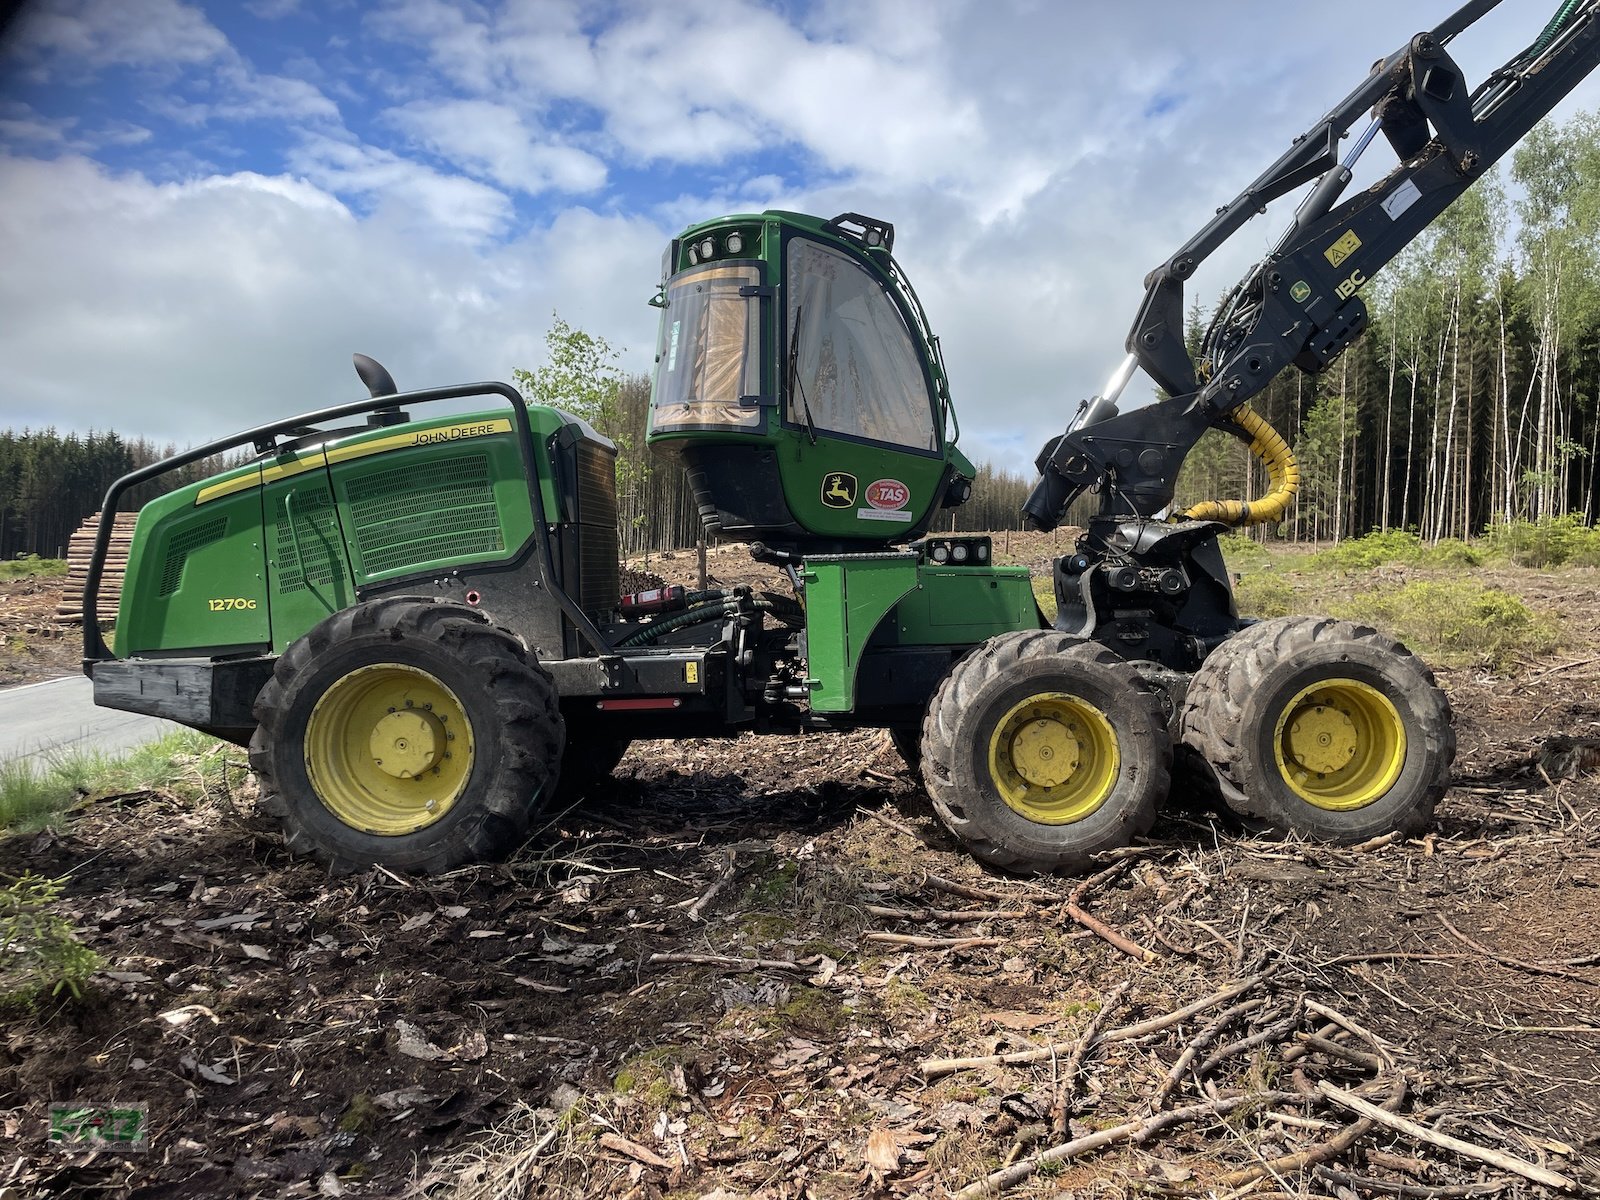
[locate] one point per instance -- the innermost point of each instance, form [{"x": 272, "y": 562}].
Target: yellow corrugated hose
[{"x": 1283, "y": 473}]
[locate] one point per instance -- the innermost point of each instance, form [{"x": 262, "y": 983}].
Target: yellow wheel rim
[
  {"x": 1054, "y": 758},
  {"x": 388, "y": 749},
  {"x": 1340, "y": 744}
]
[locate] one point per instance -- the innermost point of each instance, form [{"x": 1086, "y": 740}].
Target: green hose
[{"x": 1556, "y": 25}]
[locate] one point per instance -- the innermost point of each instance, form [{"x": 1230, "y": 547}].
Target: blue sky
[{"x": 205, "y": 207}]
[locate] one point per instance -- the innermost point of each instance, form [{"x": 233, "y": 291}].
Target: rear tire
[
  {"x": 406, "y": 732},
  {"x": 1042, "y": 750},
  {"x": 1324, "y": 728}
]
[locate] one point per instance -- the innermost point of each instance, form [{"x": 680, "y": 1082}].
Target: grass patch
[
  {"x": 1550, "y": 542},
  {"x": 1044, "y": 591},
  {"x": 32, "y": 564},
  {"x": 1263, "y": 594},
  {"x": 1459, "y": 622},
  {"x": 34, "y": 794},
  {"x": 1397, "y": 546},
  {"x": 1243, "y": 554}
]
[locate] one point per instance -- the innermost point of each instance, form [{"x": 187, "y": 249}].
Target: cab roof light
[{"x": 868, "y": 231}]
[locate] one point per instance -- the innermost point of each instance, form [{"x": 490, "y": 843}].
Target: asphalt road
[{"x": 59, "y": 716}]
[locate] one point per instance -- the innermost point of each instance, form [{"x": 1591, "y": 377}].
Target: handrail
[{"x": 263, "y": 437}]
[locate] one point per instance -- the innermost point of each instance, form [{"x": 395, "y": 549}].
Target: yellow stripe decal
[{"x": 399, "y": 441}]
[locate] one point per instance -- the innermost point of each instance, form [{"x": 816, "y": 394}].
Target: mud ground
[{"x": 727, "y": 972}]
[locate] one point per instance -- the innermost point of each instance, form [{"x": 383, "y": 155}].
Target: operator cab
[{"x": 798, "y": 383}]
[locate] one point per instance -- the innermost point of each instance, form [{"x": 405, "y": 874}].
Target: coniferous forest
[{"x": 1470, "y": 401}]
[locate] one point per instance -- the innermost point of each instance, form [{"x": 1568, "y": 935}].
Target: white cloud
[
  {"x": 187, "y": 310},
  {"x": 488, "y": 139},
  {"x": 127, "y": 32},
  {"x": 411, "y": 193},
  {"x": 1036, "y": 158}
]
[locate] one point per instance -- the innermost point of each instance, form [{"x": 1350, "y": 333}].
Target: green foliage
[
  {"x": 50, "y": 482},
  {"x": 582, "y": 377},
  {"x": 40, "y": 955},
  {"x": 32, "y": 564},
  {"x": 1242, "y": 553},
  {"x": 1264, "y": 594},
  {"x": 1549, "y": 542},
  {"x": 1400, "y": 546},
  {"x": 34, "y": 794},
  {"x": 1456, "y": 621}
]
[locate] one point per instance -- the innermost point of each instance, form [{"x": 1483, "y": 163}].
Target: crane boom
[{"x": 1301, "y": 305}]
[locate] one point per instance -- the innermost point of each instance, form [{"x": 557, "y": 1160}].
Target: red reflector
[{"x": 638, "y": 705}]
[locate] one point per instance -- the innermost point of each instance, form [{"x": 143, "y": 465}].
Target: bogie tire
[
  {"x": 907, "y": 741},
  {"x": 966, "y": 716},
  {"x": 507, "y": 699},
  {"x": 1248, "y": 691},
  {"x": 590, "y": 757}
]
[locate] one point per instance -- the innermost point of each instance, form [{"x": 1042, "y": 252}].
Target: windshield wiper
[{"x": 792, "y": 383}]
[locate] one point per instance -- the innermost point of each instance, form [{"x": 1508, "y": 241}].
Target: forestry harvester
[{"x": 414, "y": 619}]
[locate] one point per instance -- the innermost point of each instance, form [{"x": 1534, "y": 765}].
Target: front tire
[
  {"x": 1041, "y": 750},
  {"x": 1324, "y": 728},
  {"x": 406, "y": 732}
]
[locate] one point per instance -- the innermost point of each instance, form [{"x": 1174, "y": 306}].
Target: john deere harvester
[{"x": 411, "y": 612}]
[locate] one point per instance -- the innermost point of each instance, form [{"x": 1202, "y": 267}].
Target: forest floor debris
[{"x": 760, "y": 968}]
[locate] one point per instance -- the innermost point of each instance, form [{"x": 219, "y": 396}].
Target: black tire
[
  {"x": 591, "y": 755},
  {"x": 907, "y": 740},
  {"x": 506, "y": 701},
  {"x": 977, "y": 719},
  {"x": 1377, "y": 720}
]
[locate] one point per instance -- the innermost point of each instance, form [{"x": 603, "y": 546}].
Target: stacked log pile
[{"x": 79, "y": 551}]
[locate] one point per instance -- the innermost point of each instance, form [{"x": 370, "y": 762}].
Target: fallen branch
[
  {"x": 1061, "y": 1104},
  {"x": 1421, "y": 1191},
  {"x": 717, "y": 885},
  {"x": 949, "y": 886},
  {"x": 1136, "y": 1131},
  {"x": 1275, "y": 1032},
  {"x": 951, "y": 916},
  {"x": 729, "y": 963},
  {"x": 931, "y": 943},
  {"x": 1156, "y": 1024},
  {"x": 1198, "y": 1043},
  {"x": 1360, "y": 1058},
  {"x": 1495, "y": 1158},
  {"x": 943, "y": 1066},
  {"x": 894, "y": 825},
  {"x": 643, "y": 1154},
  {"x": 1074, "y": 909},
  {"x": 1313, "y": 1155},
  {"x": 1332, "y": 1014},
  {"x": 1519, "y": 963}
]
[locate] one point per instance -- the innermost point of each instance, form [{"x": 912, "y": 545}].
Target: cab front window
[{"x": 708, "y": 362}]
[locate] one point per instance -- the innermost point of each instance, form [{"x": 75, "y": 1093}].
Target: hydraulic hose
[
  {"x": 1283, "y": 473},
  {"x": 1557, "y": 23},
  {"x": 695, "y": 616}
]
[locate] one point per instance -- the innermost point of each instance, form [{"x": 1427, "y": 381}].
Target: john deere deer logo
[{"x": 838, "y": 489}]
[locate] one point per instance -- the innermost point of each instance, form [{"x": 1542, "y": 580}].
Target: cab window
[
  {"x": 853, "y": 363},
  {"x": 708, "y": 362}
]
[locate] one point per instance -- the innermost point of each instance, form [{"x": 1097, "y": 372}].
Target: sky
[{"x": 205, "y": 208}]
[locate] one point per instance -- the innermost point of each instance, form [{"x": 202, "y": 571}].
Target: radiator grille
[
  {"x": 414, "y": 515},
  {"x": 307, "y": 554},
  {"x": 598, "y": 545},
  {"x": 183, "y": 545}
]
